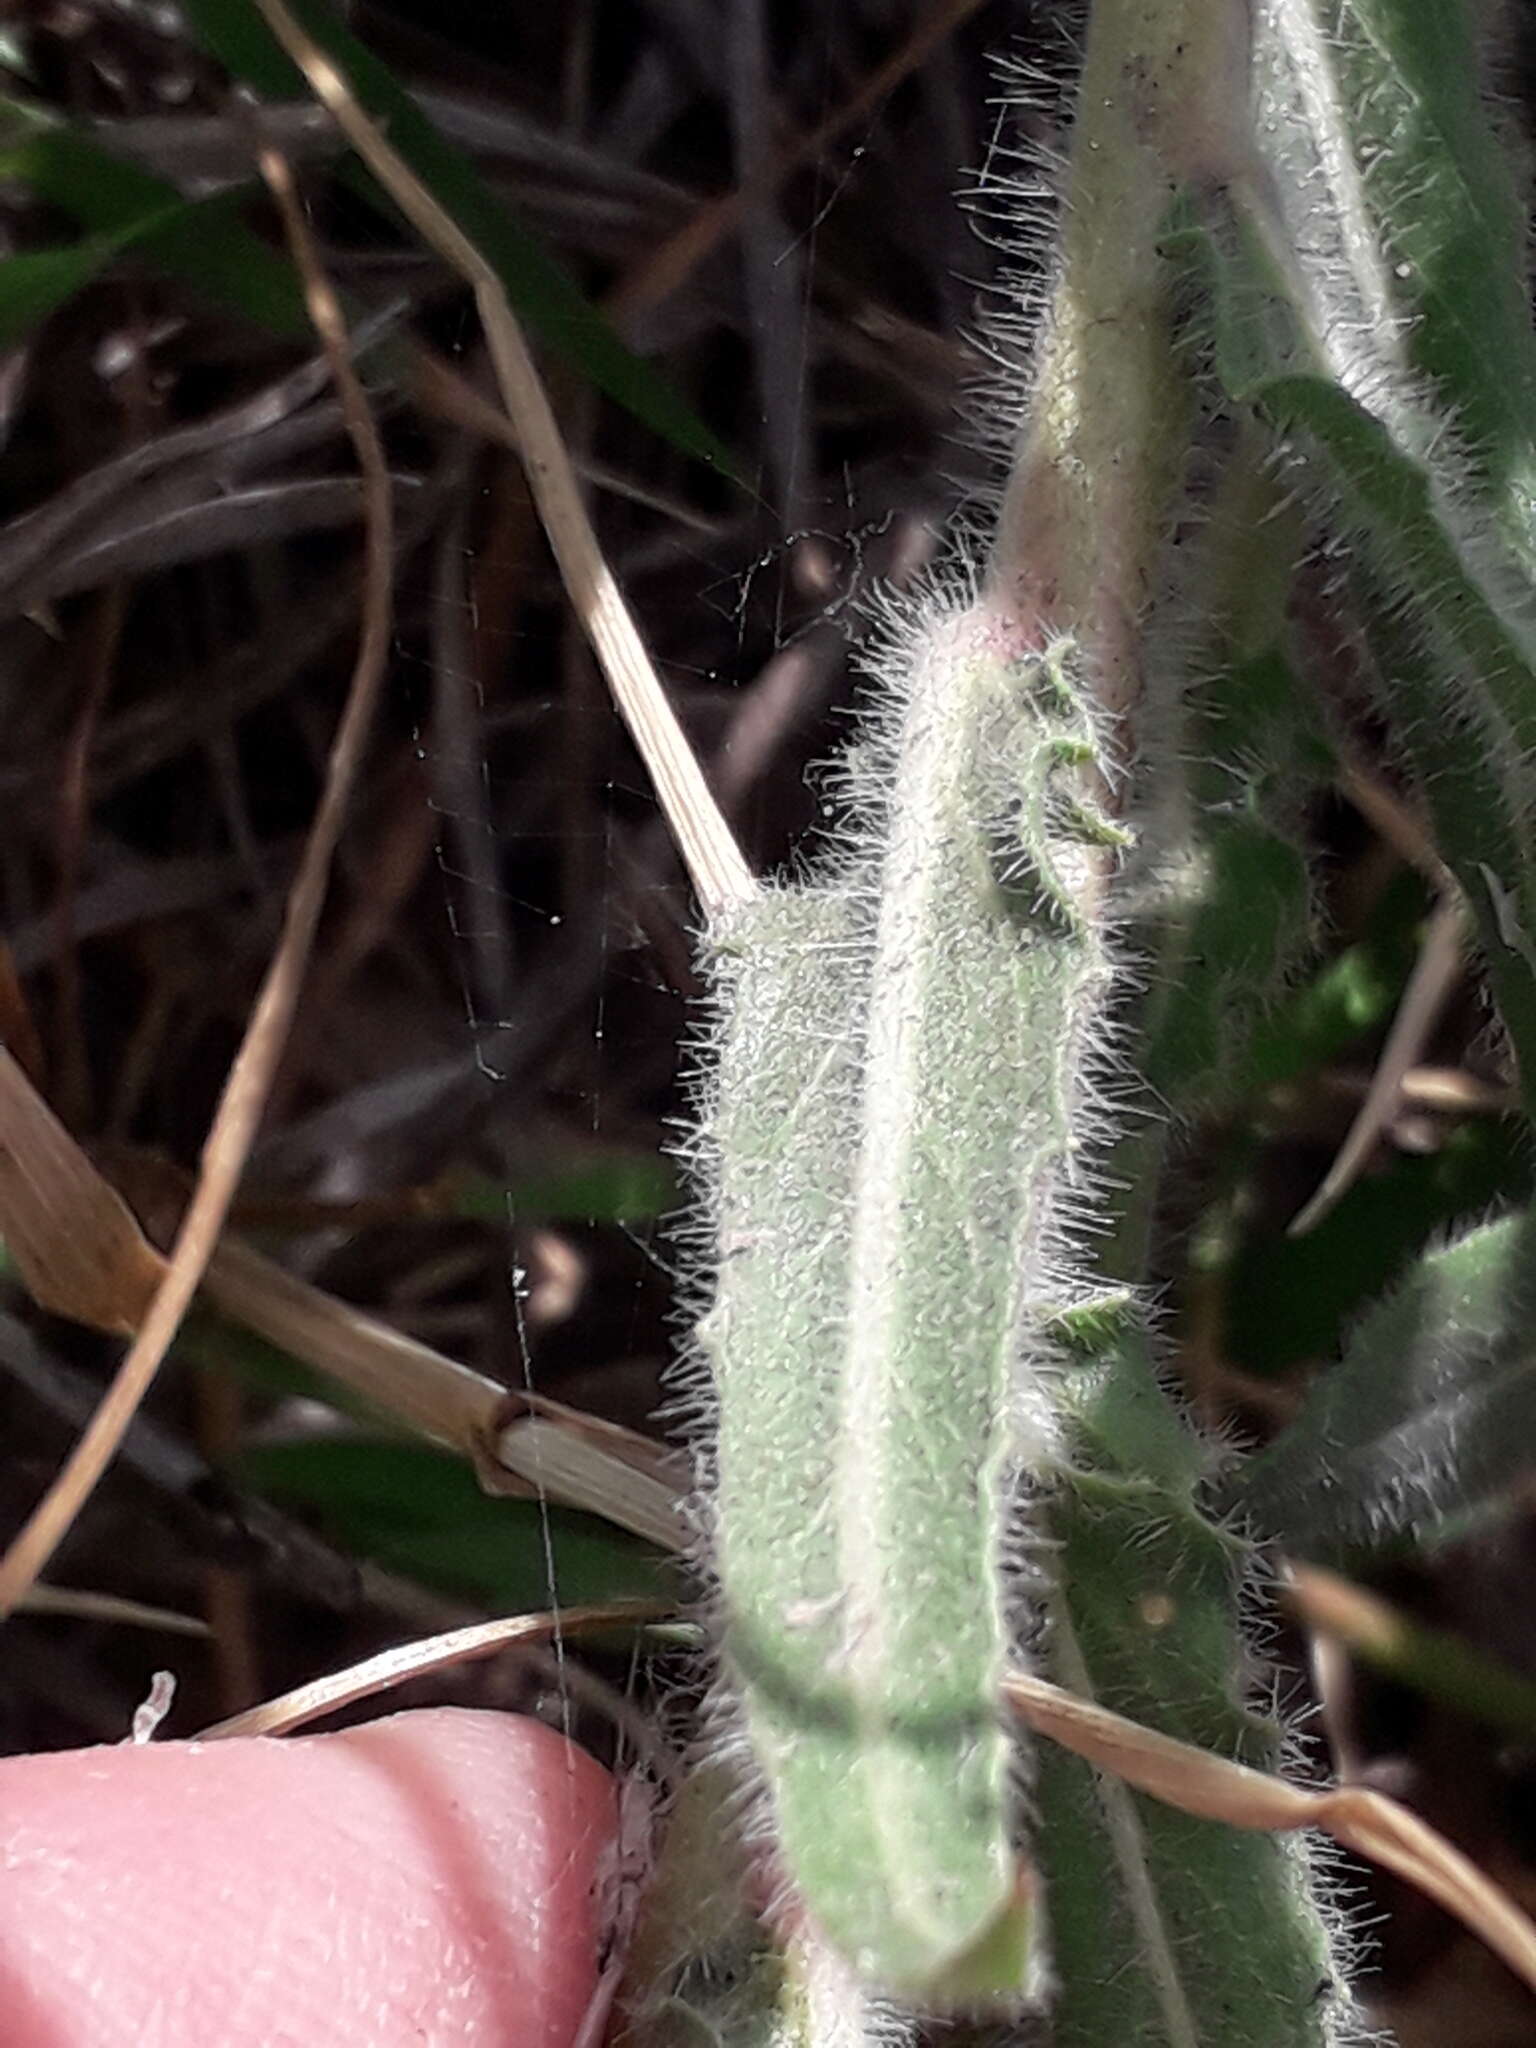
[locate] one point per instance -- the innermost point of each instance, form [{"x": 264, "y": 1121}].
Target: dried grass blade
[
  {"x": 704, "y": 840},
  {"x": 80, "y": 1253},
  {"x": 1429, "y": 989},
  {"x": 74, "y": 1603},
  {"x": 575, "y": 1458},
  {"x": 1215, "y": 1788},
  {"x": 72, "y": 1236},
  {"x": 414, "y": 1660},
  {"x": 445, "y": 1401}
]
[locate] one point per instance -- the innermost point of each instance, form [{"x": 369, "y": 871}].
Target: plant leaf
[
  {"x": 1289, "y": 1298},
  {"x": 1431, "y": 1413},
  {"x": 38, "y": 283},
  {"x": 889, "y": 1152},
  {"x": 1392, "y": 177},
  {"x": 1250, "y": 754},
  {"x": 1451, "y": 618},
  {"x": 701, "y": 1971},
  {"x": 610, "y": 1187},
  {"x": 418, "y": 1511},
  {"x": 1351, "y": 994},
  {"x": 1250, "y": 920},
  {"x": 1142, "y": 1619}
]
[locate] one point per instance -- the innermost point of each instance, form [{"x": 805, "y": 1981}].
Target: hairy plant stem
[
  {"x": 1084, "y": 527},
  {"x": 1162, "y": 102},
  {"x": 908, "y": 1335}
]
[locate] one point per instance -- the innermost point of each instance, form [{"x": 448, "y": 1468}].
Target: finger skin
[{"x": 427, "y": 1880}]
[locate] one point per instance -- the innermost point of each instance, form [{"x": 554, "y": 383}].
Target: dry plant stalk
[
  {"x": 1442, "y": 1665},
  {"x": 704, "y": 840},
  {"x": 81, "y": 1254},
  {"x": 1429, "y": 989},
  {"x": 75, "y": 1241},
  {"x": 1215, "y": 1788},
  {"x": 390, "y": 1668}
]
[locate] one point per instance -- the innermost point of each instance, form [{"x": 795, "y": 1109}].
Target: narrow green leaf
[
  {"x": 418, "y": 1511},
  {"x": 540, "y": 290},
  {"x": 1351, "y": 994},
  {"x": 37, "y": 284},
  {"x": 203, "y": 242},
  {"x": 1222, "y": 867},
  {"x": 213, "y": 1343},
  {"x": 64, "y": 166},
  {"x": 1431, "y": 1413},
  {"x": 1152, "y": 1604},
  {"x": 614, "y": 1187}
]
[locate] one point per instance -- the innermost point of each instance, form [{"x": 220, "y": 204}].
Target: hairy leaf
[
  {"x": 1394, "y": 189},
  {"x": 1245, "y": 911},
  {"x": 1452, "y": 624},
  {"x": 1431, "y": 1412},
  {"x": 889, "y": 1133},
  {"x": 1143, "y": 1604}
]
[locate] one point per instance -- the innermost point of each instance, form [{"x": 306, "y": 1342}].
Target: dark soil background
[{"x": 483, "y": 1081}]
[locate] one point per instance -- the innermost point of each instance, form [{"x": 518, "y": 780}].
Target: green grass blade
[
  {"x": 538, "y": 287},
  {"x": 1289, "y": 1299},
  {"x": 609, "y": 1186},
  {"x": 176, "y": 238},
  {"x": 419, "y": 1511},
  {"x": 37, "y": 284},
  {"x": 203, "y": 242},
  {"x": 1350, "y": 995}
]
